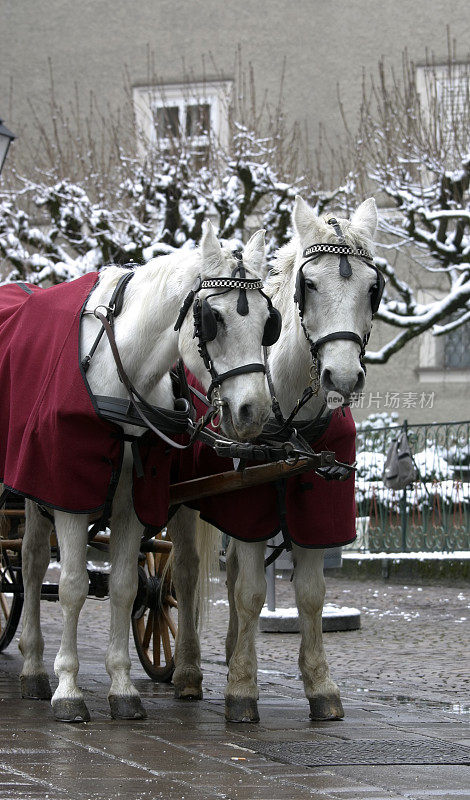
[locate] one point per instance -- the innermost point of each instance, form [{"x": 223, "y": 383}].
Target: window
[
  {"x": 446, "y": 357},
  {"x": 444, "y": 92},
  {"x": 456, "y": 348},
  {"x": 192, "y": 113}
]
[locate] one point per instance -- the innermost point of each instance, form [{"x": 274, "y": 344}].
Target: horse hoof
[
  {"x": 70, "y": 710},
  {"x": 126, "y": 707},
  {"x": 189, "y": 693},
  {"x": 326, "y": 707},
  {"x": 241, "y": 709},
  {"x": 35, "y": 687}
]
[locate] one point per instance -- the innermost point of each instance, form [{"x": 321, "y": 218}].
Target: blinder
[
  {"x": 377, "y": 291},
  {"x": 208, "y": 322},
  {"x": 273, "y": 325},
  {"x": 205, "y": 321},
  {"x": 299, "y": 295}
]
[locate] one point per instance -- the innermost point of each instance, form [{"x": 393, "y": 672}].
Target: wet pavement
[{"x": 405, "y": 686}]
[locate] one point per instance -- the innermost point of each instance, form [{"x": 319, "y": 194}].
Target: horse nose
[
  {"x": 250, "y": 418},
  {"x": 344, "y": 384},
  {"x": 246, "y": 414}
]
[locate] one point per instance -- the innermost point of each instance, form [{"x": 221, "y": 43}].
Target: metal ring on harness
[{"x": 108, "y": 309}]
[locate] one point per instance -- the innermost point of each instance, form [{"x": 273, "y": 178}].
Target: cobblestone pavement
[{"x": 405, "y": 687}]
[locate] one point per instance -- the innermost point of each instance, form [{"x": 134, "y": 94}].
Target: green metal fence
[{"x": 433, "y": 514}]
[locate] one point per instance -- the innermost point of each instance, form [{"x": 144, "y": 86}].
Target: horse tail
[
  {"x": 208, "y": 546},
  {"x": 192, "y": 537}
]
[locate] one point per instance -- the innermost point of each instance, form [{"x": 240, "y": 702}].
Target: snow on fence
[{"x": 433, "y": 514}]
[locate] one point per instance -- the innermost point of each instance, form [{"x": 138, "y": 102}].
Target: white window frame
[{"x": 216, "y": 94}]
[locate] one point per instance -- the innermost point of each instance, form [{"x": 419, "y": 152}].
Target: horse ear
[
  {"x": 365, "y": 217},
  {"x": 211, "y": 250},
  {"x": 254, "y": 253},
  {"x": 304, "y": 218}
]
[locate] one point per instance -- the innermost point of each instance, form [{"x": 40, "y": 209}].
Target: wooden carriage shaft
[
  {"x": 186, "y": 491},
  {"x": 233, "y": 481}
]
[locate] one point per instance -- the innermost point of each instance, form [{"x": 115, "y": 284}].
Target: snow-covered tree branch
[{"x": 413, "y": 148}]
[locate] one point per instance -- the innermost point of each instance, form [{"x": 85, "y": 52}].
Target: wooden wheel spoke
[
  {"x": 140, "y": 627},
  {"x": 3, "y": 604},
  {"x": 170, "y": 623},
  {"x": 162, "y": 563},
  {"x": 156, "y": 642},
  {"x": 170, "y": 601},
  {"x": 148, "y": 631},
  {"x": 166, "y": 644},
  {"x": 150, "y": 559}
]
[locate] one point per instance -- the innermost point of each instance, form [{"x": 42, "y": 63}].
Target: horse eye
[
  {"x": 373, "y": 288},
  {"x": 218, "y": 316},
  {"x": 311, "y": 286}
]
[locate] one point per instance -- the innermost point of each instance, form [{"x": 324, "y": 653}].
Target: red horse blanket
[
  {"x": 319, "y": 513},
  {"x": 53, "y": 445},
  {"x": 55, "y": 448}
]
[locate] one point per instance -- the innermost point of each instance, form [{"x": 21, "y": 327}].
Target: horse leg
[
  {"x": 231, "y": 566},
  {"x": 241, "y": 694},
  {"x": 126, "y": 534},
  {"x": 309, "y": 584},
  {"x": 187, "y": 678},
  {"x": 72, "y": 533},
  {"x": 35, "y": 557}
]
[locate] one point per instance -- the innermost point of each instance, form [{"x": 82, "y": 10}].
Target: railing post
[
  {"x": 271, "y": 587},
  {"x": 404, "y": 516}
]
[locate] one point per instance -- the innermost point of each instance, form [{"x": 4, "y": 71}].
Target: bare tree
[
  {"x": 94, "y": 191},
  {"x": 412, "y": 146}
]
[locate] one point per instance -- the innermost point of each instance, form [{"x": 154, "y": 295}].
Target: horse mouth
[
  {"x": 226, "y": 423},
  {"x": 246, "y": 434}
]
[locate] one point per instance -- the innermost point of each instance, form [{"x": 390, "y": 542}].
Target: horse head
[
  {"x": 232, "y": 320},
  {"x": 338, "y": 289}
]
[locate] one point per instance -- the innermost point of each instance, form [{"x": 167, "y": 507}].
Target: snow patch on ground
[{"x": 329, "y": 610}]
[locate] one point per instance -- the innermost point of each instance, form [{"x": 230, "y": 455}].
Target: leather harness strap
[{"x": 134, "y": 395}]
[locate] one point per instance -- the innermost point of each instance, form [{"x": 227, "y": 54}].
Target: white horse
[
  {"x": 331, "y": 303},
  {"x": 148, "y": 346}
]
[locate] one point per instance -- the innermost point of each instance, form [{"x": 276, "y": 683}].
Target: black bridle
[
  {"x": 205, "y": 322},
  {"x": 342, "y": 250}
]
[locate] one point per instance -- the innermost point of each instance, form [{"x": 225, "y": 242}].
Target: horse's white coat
[
  {"x": 332, "y": 303},
  {"x": 148, "y": 346}
]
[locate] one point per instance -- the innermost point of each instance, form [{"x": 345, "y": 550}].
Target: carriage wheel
[
  {"x": 154, "y": 618},
  {"x": 11, "y": 595}
]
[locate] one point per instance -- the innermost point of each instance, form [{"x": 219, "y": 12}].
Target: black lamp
[{"x": 6, "y": 138}]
